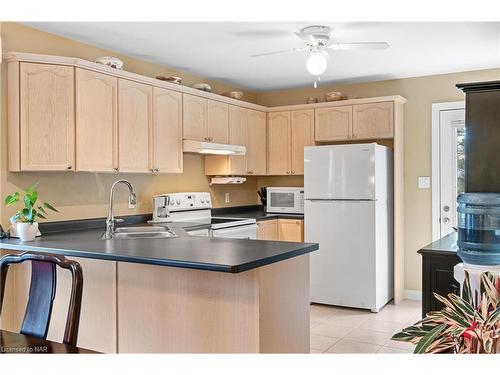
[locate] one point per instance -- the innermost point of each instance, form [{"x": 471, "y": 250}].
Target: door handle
[
  {"x": 446, "y": 220},
  {"x": 446, "y": 208}
]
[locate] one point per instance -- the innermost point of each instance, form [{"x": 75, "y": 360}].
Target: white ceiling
[{"x": 221, "y": 50}]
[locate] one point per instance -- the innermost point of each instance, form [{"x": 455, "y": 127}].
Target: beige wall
[
  {"x": 421, "y": 92},
  {"x": 84, "y": 195}
]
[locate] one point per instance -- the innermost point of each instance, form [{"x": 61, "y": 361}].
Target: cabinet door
[
  {"x": 372, "y": 121},
  {"x": 333, "y": 124},
  {"x": 194, "y": 117},
  {"x": 167, "y": 131},
  {"x": 302, "y": 134},
  {"x": 134, "y": 126},
  {"x": 96, "y": 121},
  {"x": 278, "y": 133},
  {"x": 47, "y": 117},
  {"x": 290, "y": 230},
  {"x": 218, "y": 122},
  {"x": 237, "y": 136},
  {"x": 256, "y": 143},
  {"x": 267, "y": 230}
]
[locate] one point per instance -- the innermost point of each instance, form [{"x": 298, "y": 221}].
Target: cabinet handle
[
  {"x": 250, "y": 172},
  {"x": 116, "y": 169},
  {"x": 69, "y": 167},
  {"x": 293, "y": 172},
  {"x": 287, "y": 172},
  {"x": 354, "y": 135},
  {"x": 157, "y": 170}
]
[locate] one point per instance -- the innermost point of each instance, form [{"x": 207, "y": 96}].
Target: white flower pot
[{"x": 27, "y": 231}]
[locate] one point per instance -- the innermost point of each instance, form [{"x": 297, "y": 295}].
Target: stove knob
[
  {"x": 172, "y": 202},
  {"x": 178, "y": 201},
  {"x": 208, "y": 200},
  {"x": 202, "y": 201}
]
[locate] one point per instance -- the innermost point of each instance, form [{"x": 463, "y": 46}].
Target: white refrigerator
[{"x": 348, "y": 210}]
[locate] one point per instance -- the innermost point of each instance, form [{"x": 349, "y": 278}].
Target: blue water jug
[{"x": 478, "y": 222}]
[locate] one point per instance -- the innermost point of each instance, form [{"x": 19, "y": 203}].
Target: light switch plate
[
  {"x": 226, "y": 198},
  {"x": 424, "y": 182}
]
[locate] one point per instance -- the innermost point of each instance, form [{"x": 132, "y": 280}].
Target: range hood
[{"x": 209, "y": 148}]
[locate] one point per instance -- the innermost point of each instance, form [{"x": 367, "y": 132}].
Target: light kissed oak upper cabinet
[
  {"x": 96, "y": 121},
  {"x": 355, "y": 122},
  {"x": 134, "y": 126},
  {"x": 288, "y": 133},
  {"x": 218, "y": 122},
  {"x": 301, "y": 135},
  {"x": 194, "y": 117},
  {"x": 46, "y": 133},
  {"x": 373, "y": 120},
  {"x": 167, "y": 131},
  {"x": 246, "y": 128},
  {"x": 278, "y": 141},
  {"x": 205, "y": 120},
  {"x": 333, "y": 124},
  {"x": 256, "y": 143}
]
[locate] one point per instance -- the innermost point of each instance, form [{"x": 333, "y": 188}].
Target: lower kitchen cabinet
[
  {"x": 281, "y": 230},
  {"x": 437, "y": 276},
  {"x": 291, "y": 230},
  {"x": 267, "y": 230}
]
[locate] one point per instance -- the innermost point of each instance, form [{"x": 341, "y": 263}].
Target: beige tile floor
[{"x": 345, "y": 330}]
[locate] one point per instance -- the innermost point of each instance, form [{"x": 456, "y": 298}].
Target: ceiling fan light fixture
[{"x": 316, "y": 63}]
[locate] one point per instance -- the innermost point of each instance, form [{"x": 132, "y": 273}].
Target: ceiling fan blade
[
  {"x": 359, "y": 45},
  {"x": 278, "y": 52},
  {"x": 307, "y": 38}
]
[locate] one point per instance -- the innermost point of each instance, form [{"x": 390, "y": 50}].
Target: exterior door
[{"x": 451, "y": 166}]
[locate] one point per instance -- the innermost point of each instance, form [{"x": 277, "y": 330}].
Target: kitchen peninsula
[{"x": 186, "y": 294}]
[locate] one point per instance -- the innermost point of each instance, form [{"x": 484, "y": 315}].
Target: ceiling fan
[{"x": 317, "y": 39}]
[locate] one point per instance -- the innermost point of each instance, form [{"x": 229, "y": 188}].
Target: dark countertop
[
  {"x": 446, "y": 245},
  {"x": 253, "y": 212},
  {"x": 212, "y": 254}
]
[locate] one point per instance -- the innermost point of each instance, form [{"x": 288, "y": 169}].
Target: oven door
[{"x": 242, "y": 231}]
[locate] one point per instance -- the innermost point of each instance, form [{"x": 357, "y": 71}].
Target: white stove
[{"x": 196, "y": 207}]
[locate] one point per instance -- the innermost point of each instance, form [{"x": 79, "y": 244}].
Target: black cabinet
[
  {"x": 438, "y": 260},
  {"x": 437, "y": 277}
]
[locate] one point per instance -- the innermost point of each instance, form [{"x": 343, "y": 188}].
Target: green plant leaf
[
  {"x": 428, "y": 339},
  {"x": 32, "y": 187},
  {"x": 50, "y": 207},
  {"x": 11, "y": 199},
  {"x": 32, "y": 196},
  {"x": 493, "y": 318},
  {"x": 466, "y": 290},
  {"x": 42, "y": 209},
  {"x": 41, "y": 216},
  {"x": 27, "y": 202}
]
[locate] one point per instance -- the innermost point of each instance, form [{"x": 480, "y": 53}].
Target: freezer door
[
  {"x": 339, "y": 172},
  {"x": 343, "y": 271}
]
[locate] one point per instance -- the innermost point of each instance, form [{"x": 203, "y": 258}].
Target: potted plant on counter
[{"x": 24, "y": 220}]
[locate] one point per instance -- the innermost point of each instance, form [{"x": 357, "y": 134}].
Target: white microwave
[{"x": 285, "y": 200}]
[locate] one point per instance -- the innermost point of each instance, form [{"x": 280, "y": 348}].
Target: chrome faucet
[{"x": 132, "y": 201}]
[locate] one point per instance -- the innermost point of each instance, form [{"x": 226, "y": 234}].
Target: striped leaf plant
[{"x": 467, "y": 324}]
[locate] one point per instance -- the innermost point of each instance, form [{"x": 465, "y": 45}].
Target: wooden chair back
[{"x": 43, "y": 291}]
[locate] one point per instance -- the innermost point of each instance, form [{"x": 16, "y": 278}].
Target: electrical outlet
[{"x": 226, "y": 197}]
